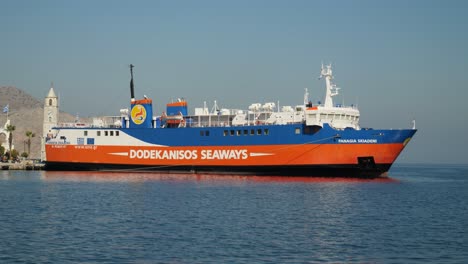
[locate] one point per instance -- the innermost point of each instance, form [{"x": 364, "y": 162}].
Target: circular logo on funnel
[{"x": 138, "y": 114}]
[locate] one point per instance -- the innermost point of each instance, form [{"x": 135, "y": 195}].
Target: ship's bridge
[{"x": 337, "y": 117}]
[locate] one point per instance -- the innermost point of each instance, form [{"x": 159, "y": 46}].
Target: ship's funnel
[{"x": 141, "y": 113}]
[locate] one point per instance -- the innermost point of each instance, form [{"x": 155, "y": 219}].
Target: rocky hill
[{"x": 26, "y": 114}]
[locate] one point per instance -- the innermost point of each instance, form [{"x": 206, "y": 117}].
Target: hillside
[{"x": 26, "y": 114}]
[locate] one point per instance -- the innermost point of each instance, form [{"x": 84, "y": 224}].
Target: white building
[{"x": 51, "y": 114}]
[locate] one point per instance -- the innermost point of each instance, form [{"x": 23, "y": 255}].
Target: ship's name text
[
  {"x": 352, "y": 140},
  {"x": 206, "y": 154}
]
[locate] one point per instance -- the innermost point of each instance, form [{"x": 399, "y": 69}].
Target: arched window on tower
[
  {"x": 50, "y": 119},
  {"x": 50, "y": 102}
]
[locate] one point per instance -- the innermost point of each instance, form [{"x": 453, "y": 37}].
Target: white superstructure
[{"x": 337, "y": 116}]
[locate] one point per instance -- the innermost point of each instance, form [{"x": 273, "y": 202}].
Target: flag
[{"x": 5, "y": 109}]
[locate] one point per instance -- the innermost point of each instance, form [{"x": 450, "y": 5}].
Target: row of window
[
  {"x": 246, "y": 132},
  {"x": 106, "y": 133},
  {"x": 204, "y": 133}
]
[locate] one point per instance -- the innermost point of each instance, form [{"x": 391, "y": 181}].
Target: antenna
[
  {"x": 321, "y": 70},
  {"x": 215, "y": 108},
  {"x": 132, "y": 92}
]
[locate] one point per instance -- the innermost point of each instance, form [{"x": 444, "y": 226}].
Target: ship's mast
[
  {"x": 132, "y": 92},
  {"x": 306, "y": 97},
  {"x": 331, "y": 89}
]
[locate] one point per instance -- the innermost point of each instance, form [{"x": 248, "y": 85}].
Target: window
[
  {"x": 266, "y": 132},
  {"x": 225, "y": 133},
  {"x": 202, "y": 133},
  {"x": 238, "y": 132},
  {"x": 98, "y": 133},
  {"x": 117, "y": 133},
  {"x": 246, "y": 132},
  {"x": 50, "y": 102},
  {"x": 112, "y": 133},
  {"x": 207, "y": 133},
  {"x": 252, "y": 132},
  {"x": 85, "y": 133},
  {"x": 297, "y": 131},
  {"x": 259, "y": 131},
  {"x": 232, "y": 132},
  {"x": 106, "y": 133},
  {"x": 310, "y": 130}
]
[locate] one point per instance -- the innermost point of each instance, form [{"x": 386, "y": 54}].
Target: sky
[{"x": 397, "y": 60}]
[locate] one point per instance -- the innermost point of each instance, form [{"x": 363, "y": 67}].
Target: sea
[{"x": 419, "y": 214}]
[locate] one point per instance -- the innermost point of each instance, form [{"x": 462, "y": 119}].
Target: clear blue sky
[{"x": 399, "y": 60}]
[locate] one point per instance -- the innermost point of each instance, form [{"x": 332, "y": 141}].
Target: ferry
[{"x": 303, "y": 140}]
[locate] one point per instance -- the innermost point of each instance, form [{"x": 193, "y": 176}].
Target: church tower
[{"x": 51, "y": 114}]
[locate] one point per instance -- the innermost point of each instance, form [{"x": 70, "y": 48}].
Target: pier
[{"x": 23, "y": 165}]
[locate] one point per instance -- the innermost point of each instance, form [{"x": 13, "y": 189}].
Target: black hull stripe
[{"x": 347, "y": 170}]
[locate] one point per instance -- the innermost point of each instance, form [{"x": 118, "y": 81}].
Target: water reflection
[{"x": 94, "y": 176}]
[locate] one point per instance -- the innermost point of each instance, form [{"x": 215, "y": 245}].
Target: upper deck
[{"x": 176, "y": 116}]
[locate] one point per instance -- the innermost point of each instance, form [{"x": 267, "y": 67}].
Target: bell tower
[{"x": 51, "y": 114}]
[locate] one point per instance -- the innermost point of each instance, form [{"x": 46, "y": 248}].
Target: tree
[
  {"x": 10, "y": 129},
  {"x": 14, "y": 154},
  {"x": 30, "y": 135},
  {"x": 24, "y": 155},
  {"x": 2, "y": 150}
]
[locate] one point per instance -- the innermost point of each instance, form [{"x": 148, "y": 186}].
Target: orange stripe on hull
[{"x": 270, "y": 155}]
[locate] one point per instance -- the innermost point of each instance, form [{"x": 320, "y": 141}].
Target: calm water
[{"x": 419, "y": 215}]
